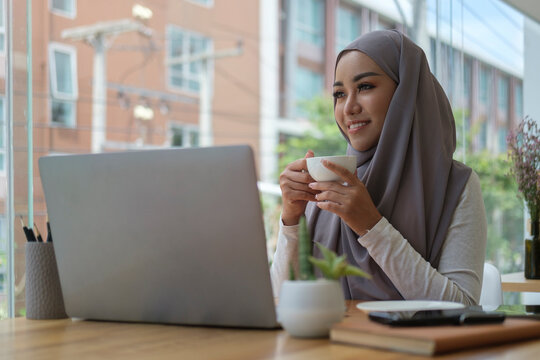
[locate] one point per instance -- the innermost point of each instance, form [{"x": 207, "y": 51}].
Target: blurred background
[{"x": 80, "y": 76}]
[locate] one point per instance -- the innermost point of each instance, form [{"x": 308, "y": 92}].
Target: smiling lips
[{"x": 357, "y": 125}]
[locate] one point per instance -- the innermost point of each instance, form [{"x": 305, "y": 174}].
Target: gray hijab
[{"x": 410, "y": 174}]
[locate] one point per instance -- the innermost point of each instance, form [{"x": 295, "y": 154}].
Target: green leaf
[
  {"x": 323, "y": 266},
  {"x": 355, "y": 271},
  {"x": 292, "y": 277},
  {"x": 333, "y": 267},
  {"x": 328, "y": 255}
]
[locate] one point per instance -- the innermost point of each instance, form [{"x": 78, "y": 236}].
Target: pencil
[
  {"x": 38, "y": 235},
  {"x": 27, "y": 232},
  {"x": 49, "y": 234}
]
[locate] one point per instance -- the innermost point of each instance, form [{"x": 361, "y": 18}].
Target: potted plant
[
  {"x": 308, "y": 306},
  {"x": 524, "y": 152}
]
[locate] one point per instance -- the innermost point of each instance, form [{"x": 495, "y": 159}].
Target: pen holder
[{"x": 43, "y": 291}]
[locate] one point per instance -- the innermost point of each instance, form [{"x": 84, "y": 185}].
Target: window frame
[
  {"x": 187, "y": 130},
  {"x": 304, "y": 91},
  {"x": 69, "y": 14},
  {"x": 313, "y": 31},
  {"x": 340, "y": 43},
  {"x": 502, "y": 98},
  {"x": 185, "y": 72},
  {"x": 56, "y": 95}
]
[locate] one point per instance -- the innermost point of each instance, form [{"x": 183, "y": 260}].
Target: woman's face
[{"x": 362, "y": 93}]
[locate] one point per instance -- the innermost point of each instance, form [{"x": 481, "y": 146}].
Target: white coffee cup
[{"x": 320, "y": 173}]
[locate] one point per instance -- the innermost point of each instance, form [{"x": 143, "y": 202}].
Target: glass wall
[{"x": 121, "y": 75}]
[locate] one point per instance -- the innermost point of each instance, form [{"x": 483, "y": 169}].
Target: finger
[
  {"x": 332, "y": 196},
  {"x": 295, "y": 176},
  {"x": 297, "y": 165},
  {"x": 330, "y": 206},
  {"x": 343, "y": 173},
  {"x": 329, "y": 186},
  {"x": 301, "y": 187},
  {"x": 309, "y": 154},
  {"x": 297, "y": 195}
]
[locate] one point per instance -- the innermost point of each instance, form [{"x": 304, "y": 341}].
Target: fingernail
[{"x": 311, "y": 185}]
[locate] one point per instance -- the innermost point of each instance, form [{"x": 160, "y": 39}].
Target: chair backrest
[{"x": 491, "y": 294}]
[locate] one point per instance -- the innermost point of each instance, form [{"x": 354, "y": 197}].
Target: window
[
  {"x": 2, "y": 28},
  {"x": 66, "y": 8},
  {"x": 184, "y": 135},
  {"x": 502, "y": 95},
  {"x": 518, "y": 101},
  {"x": 482, "y": 137},
  {"x": 502, "y": 133},
  {"x": 63, "y": 83},
  {"x": 384, "y": 24},
  {"x": 466, "y": 79},
  {"x": 310, "y": 21},
  {"x": 484, "y": 85},
  {"x": 182, "y": 43},
  {"x": 347, "y": 27},
  {"x": 2, "y": 136},
  {"x": 308, "y": 84}
]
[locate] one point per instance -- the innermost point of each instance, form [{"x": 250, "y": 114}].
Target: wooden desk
[
  {"x": 75, "y": 339},
  {"x": 517, "y": 282}
]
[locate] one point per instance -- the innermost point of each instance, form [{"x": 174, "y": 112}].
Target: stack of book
[{"x": 430, "y": 340}]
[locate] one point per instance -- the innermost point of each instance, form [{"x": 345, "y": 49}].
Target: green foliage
[
  {"x": 324, "y": 136},
  {"x": 305, "y": 267},
  {"x": 333, "y": 267},
  {"x": 292, "y": 277},
  {"x": 504, "y": 210}
]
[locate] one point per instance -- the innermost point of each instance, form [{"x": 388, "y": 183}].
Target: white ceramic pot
[{"x": 309, "y": 308}]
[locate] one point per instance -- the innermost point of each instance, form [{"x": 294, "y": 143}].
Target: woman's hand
[
  {"x": 350, "y": 201},
  {"x": 294, "y": 181}
]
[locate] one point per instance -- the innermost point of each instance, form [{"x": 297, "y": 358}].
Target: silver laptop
[{"x": 163, "y": 236}]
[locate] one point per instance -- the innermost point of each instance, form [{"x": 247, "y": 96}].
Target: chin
[{"x": 362, "y": 145}]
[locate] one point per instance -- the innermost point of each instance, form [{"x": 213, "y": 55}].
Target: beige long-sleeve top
[{"x": 459, "y": 275}]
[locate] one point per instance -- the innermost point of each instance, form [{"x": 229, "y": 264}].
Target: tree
[
  {"x": 323, "y": 137},
  {"x": 504, "y": 210}
]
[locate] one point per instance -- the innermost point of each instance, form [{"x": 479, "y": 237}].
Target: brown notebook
[{"x": 430, "y": 340}]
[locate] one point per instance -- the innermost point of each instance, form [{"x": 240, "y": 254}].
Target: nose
[{"x": 352, "y": 106}]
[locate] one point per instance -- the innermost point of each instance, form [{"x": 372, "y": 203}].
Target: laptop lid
[{"x": 163, "y": 236}]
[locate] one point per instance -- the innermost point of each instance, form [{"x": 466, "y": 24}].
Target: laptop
[{"x": 170, "y": 236}]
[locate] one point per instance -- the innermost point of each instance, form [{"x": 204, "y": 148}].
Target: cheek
[
  {"x": 338, "y": 115},
  {"x": 380, "y": 107}
]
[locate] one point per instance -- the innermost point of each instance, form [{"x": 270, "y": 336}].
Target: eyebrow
[{"x": 358, "y": 77}]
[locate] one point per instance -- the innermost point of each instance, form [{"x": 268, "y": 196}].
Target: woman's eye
[
  {"x": 338, "y": 94},
  {"x": 362, "y": 87}
]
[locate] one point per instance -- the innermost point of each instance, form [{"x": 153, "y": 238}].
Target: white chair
[{"x": 491, "y": 294}]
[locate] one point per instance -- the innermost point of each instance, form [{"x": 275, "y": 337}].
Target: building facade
[
  {"x": 487, "y": 98},
  {"x": 125, "y": 75}
]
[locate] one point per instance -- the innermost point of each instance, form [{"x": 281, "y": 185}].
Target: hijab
[{"x": 410, "y": 174}]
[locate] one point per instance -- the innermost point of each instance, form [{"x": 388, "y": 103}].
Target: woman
[{"x": 410, "y": 215}]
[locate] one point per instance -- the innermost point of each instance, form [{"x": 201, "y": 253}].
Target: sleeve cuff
[
  {"x": 289, "y": 231},
  {"x": 374, "y": 233}
]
